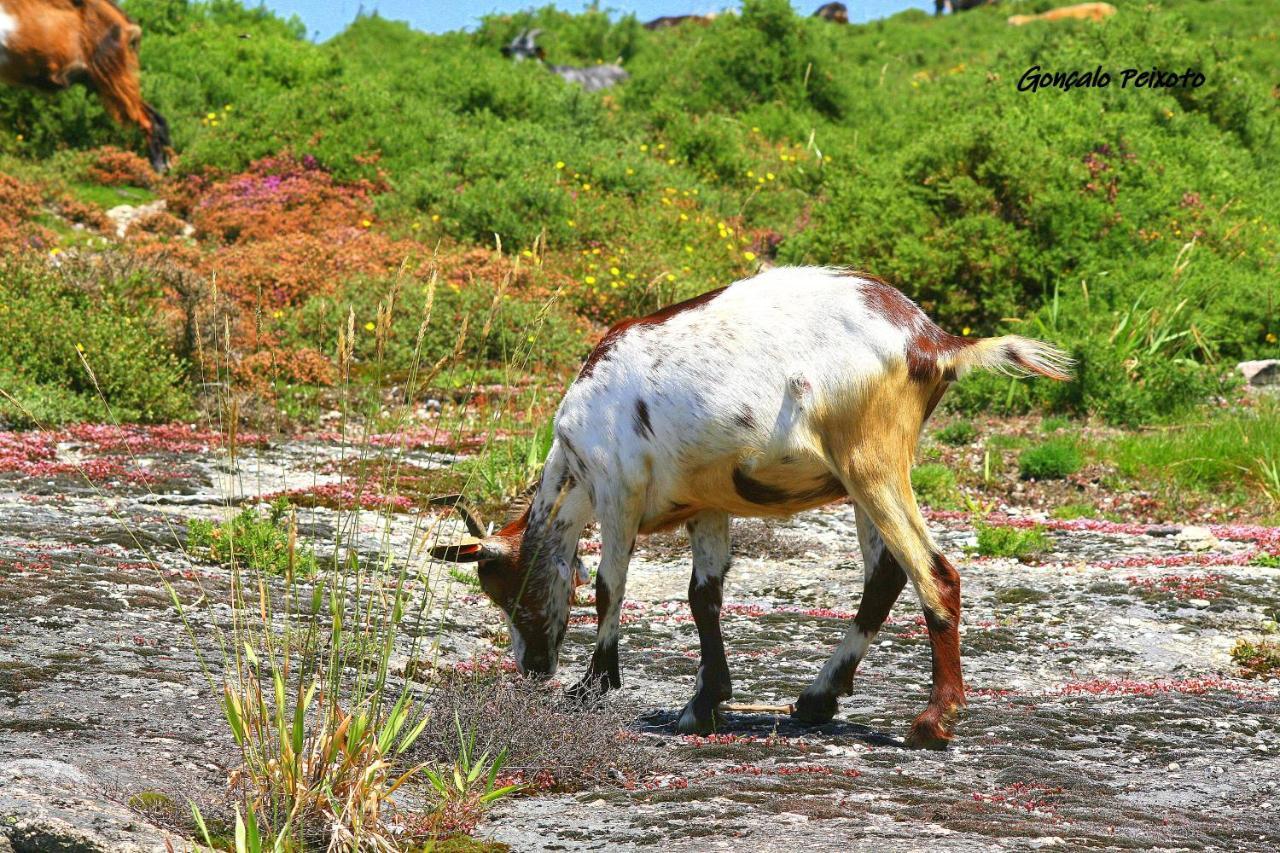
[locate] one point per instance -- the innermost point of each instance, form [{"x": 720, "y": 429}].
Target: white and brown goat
[{"x": 777, "y": 394}]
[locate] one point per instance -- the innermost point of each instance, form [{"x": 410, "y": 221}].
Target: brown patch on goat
[
  {"x": 657, "y": 318},
  {"x": 926, "y": 342}
]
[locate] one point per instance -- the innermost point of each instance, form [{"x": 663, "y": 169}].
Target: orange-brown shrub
[
  {"x": 112, "y": 167},
  {"x": 276, "y": 195},
  {"x": 20, "y": 203}
]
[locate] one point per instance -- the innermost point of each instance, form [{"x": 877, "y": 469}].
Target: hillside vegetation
[{"x": 1138, "y": 228}]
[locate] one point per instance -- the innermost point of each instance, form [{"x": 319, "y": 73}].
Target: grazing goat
[
  {"x": 1079, "y": 12},
  {"x": 955, "y": 6},
  {"x": 53, "y": 44},
  {"x": 590, "y": 77},
  {"x": 666, "y": 22},
  {"x": 836, "y": 13},
  {"x": 777, "y": 394}
]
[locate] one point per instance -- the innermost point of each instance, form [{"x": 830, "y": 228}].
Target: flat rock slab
[
  {"x": 51, "y": 807},
  {"x": 1105, "y": 710}
]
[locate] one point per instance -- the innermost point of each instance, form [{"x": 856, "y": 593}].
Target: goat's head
[
  {"x": 524, "y": 47},
  {"x": 531, "y": 588}
]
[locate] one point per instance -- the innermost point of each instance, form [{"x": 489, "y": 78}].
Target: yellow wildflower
[
  {"x": 590, "y": 279},
  {"x": 369, "y": 327}
]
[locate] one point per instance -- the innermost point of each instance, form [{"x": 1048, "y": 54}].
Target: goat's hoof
[
  {"x": 814, "y": 709},
  {"x": 928, "y": 732},
  {"x": 691, "y": 723}
]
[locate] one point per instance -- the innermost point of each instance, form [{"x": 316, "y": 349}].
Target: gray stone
[
  {"x": 1264, "y": 372},
  {"x": 1195, "y": 538},
  {"x": 51, "y": 806}
]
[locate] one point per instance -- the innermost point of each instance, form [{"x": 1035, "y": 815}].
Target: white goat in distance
[{"x": 589, "y": 77}]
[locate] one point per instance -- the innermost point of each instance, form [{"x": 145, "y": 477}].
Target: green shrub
[
  {"x": 1257, "y": 660},
  {"x": 935, "y": 485},
  {"x": 81, "y": 344},
  {"x": 1021, "y": 544},
  {"x": 957, "y": 433},
  {"x": 1053, "y": 460},
  {"x": 258, "y": 542}
]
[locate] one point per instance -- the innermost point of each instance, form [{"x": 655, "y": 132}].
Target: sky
[{"x": 325, "y": 18}]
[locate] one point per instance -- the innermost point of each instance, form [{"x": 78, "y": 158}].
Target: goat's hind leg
[
  {"x": 883, "y": 582},
  {"x": 709, "y": 538},
  {"x": 892, "y": 508}
]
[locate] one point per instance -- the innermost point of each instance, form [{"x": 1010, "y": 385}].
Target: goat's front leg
[
  {"x": 709, "y": 537},
  {"x": 618, "y": 530}
]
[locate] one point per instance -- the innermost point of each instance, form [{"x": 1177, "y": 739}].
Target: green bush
[
  {"x": 82, "y": 346},
  {"x": 254, "y": 541},
  {"x": 935, "y": 485},
  {"x": 1053, "y": 460},
  {"x": 957, "y": 433},
  {"x": 1021, "y": 544}
]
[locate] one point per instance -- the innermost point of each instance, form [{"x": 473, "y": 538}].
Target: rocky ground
[{"x": 1105, "y": 710}]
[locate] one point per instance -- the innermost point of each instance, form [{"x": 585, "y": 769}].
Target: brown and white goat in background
[{"x": 780, "y": 393}]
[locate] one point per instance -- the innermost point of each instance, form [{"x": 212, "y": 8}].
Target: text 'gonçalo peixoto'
[{"x": 1037, "y": 78}]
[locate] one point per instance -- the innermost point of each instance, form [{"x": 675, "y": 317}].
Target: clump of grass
[
  {"x": 1021, "y": 544},
  {"x": 935, "y": 485},
  {"x": 1053, "y": 460},
  {"x": 1257, "y": 660},
  {"x": 1234, "y": 455},
  {"x": 261, "y": 543},
  {"x": 1054, "y": 424},
  {"x": 957, "y": 433},
  {"x": 463, "y": 789},
  {"x": 1072, "y": 511},
  {"x": 1267, "y": 561}
]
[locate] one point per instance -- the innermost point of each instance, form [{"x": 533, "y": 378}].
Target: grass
[
  {"x": 1231, "y": 456},
  {"x": 1018, "y": 543},
  {"x": 935, "y": 486},
  {"x": 263, "y": 543},
  {"x": 1055, "y": 459},
  {"x": 1071, "y": 511},
  {"x": 956, "y": 433}
]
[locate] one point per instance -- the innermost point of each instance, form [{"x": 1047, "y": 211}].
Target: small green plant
[
  {"x": 1052, "y": 460},
  {"x": 1267, "y": 561},
  {"x": 266, "y": 544},
  {"x": 463, "y": 792},
  {"x": 957, "y": 433},
  {"x": 1019, "y": 543},
  {"x": 1257, "y": 660},
  {"x": 1070, "y": 512},
  {"x": 935, "y": 485},
  {"x": 1054, "y": 424}
]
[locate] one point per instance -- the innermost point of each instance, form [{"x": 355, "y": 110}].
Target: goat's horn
[{"x": 474, "y": 525}]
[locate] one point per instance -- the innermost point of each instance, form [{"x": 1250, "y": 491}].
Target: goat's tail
[{"x": 1012, "y": 355}]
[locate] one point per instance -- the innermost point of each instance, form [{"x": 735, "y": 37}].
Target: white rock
[{"x": 1195, "y": 538}]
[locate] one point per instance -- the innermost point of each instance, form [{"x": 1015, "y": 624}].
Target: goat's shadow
[{"x": 663, "y": 722}]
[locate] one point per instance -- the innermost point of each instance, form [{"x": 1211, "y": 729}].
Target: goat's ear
[{"x": 467, "y": 552}]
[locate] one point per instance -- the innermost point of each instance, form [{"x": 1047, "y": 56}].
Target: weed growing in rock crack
[
  {"x": 265, "y": 544},
  {"x": 1055, "y": 459},
  {"x": 1259, "y": 659},
  {"x": 1003, "y": 541}
]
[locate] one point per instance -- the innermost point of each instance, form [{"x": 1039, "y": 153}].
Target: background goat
[
  {"x": 780, "y": 393},
  {"x": 51, "y": 45},
  {"x": 589, "y": 77}
]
